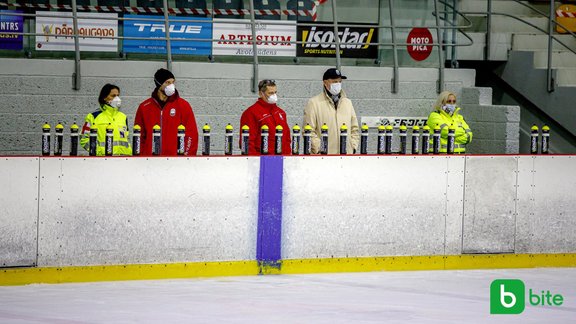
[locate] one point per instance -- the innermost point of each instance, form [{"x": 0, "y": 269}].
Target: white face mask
[
  {"x": 272, "y": 99},
  {"x": 335, "y": 88},
  {"x": 449, "y": 108},
  {"x": 170, "y": 90},
  {"x": 116, "y": 102}
]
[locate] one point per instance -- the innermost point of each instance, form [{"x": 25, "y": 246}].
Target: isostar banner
[
  {"x": 353, "y": 41},
  {"x": 271, "y": 39},
  {"x": 62, "y": 30},
  {"x": 198, "y": 35},
  {"x": 11, "y": 24}
]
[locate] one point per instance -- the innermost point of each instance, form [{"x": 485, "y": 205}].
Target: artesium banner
[
  {"x": 271, "y": 39},
  {"x": 198, "y": 35},
  {"x": 353, "y": 41},
  {"x": 58, "y": 32},
  {"x": 11, "y": 24}
]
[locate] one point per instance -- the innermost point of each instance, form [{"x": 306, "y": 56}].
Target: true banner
[{"x": 197, "y": 35}]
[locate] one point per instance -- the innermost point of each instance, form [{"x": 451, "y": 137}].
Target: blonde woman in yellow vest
[
  {"x": 445, "y": 114},
  {"x": 108, "y": 114}
]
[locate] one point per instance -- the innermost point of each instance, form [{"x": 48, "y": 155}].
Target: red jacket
[
  {"x": 262, "y": 113},
  {"x": 176, "y": 112}
]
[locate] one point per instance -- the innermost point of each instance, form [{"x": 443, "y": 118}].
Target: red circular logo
[{"x": 418, "y": 40}]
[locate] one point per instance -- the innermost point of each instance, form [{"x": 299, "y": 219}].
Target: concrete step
[
  {"x": 472, "y": 52},
  {"x": 560, "y": 59},
  {"x": 503, "y": 6},
  {"x": 566, "y": 77},
  {"x": 520, "y": 74},
  {"x": 540, "y": 42},
  {"x": 511, "y": 25},
  {"x": 506, "y": 24},
  {"x": 501, "y": 44}
]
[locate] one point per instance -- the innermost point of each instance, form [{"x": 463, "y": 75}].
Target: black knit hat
[{"x": 161, "y": 76}]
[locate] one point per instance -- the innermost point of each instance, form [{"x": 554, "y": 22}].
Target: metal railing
[
  {"x": 552, "y": 24},
  {"x": 393, "y": 27}
]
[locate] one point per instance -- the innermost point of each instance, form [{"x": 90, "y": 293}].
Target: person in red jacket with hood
[
  {"x": 168, "y": 110},
  {"x": 265, "y": 112}
]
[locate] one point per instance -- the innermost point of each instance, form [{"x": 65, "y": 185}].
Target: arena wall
[{"x": 270, "y": 211}]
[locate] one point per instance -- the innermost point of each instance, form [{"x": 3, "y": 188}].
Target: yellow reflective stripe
[
  {"x": 443, "y": 125},
  {"x": 456, "y": 146},
  {"x": 115, "y": 143}
]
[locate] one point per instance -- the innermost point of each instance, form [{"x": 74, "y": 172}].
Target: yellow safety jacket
[
  {"x": 462, "y": 136},
  {"x": 107, "y": 115}
]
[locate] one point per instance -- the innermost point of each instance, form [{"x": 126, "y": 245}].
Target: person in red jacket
[
  {"x": 265, "y": 112},
  {"x": 168, "y": 110}
]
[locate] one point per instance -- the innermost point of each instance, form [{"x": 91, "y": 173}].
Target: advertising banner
[
  {"x": 63, "y": 30},
  {"x": 375, "y": 121},
  {"x": 196, "y": 32},
  {"x": 11, "y": 24},
  {"x": 418, "y": 40},
  {"x": 353, "y": 41},
  {"x": 271, "y": 39}
]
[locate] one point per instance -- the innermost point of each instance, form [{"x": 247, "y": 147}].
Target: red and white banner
[
  {"x": 171, "y": 10},
  {"x": 565, "y": 14}
]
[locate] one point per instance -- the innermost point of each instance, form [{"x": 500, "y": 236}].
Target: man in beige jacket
[{"x": 333, "y": 108}]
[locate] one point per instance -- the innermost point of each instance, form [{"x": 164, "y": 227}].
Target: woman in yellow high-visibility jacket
[
  {"x": 108, "y": 114},
  {"x": 445, "y": 114}
]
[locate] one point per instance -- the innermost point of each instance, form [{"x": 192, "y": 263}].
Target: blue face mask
[{"x": 449, "y": 108}]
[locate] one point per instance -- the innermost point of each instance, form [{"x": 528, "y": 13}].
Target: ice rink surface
[{"x": 374, "y": 297}]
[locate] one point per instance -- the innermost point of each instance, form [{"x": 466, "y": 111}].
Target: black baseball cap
[{"x": 333, "y": 74}]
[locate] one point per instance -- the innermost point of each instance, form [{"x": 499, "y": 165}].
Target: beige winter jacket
[{"x": 319, "y": 110}]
